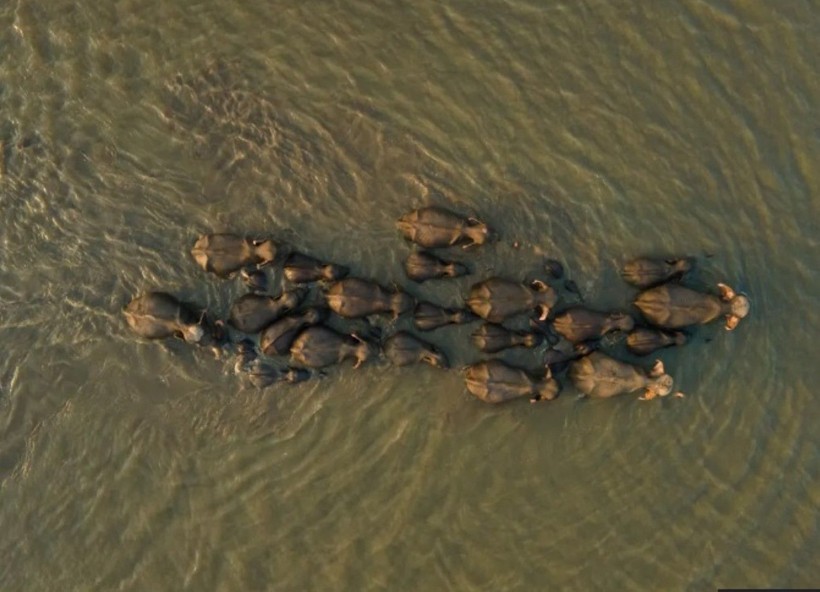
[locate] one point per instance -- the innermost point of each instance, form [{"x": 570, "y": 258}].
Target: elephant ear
[
  {"x": 731, "y": 321},
  {"x": 539, "y": 286},
  {"x": 657, "y": 369},
  {"x": 193, "y": 333},
  {"x": 726, "y": 293},
  {"x": 647, "y": 395}
]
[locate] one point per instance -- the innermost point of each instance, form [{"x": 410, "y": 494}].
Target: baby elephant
[
  {"x": 599, "y": 376},
  {"x": 579, "y": 324},
  {"x": 493, "y": 381},
  {"x": 427, "y": 316},
  {"x": 643, "y": 341},
  {"x": 644, "y": 272},
  {"x": 434, "y": 227},
  {"x": 302, "y": 269},
  {"x": 261, "y": 374},
  {"x": 319, "y": 346},
  {"x": 491, "y": 338},
  {"x": 353, "y": 298},
  {"x": 421, "y": 266},
  {"x": 403, "y": 349},
  {"x": 224, "y": 254},
  {"x": 496, "y": 299},
  {"x": 157, "y": 315},
  {"x": 672, "y": 306}
]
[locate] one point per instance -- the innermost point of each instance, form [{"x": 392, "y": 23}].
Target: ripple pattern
[{"x": 589, "y": 132}]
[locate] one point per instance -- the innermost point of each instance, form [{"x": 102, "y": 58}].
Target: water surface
[{"x": 589, "y": 132}]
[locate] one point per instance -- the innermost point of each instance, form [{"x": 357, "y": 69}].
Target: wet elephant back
[
  {"x": 600, "y": 376},
  {"x": 151, "y": 327},
  {"x": 421, "y": 266},
  {"x": 495, "y": 382},
  {"x": 253, "y": 312},
  {"x": 673, "y": 306},
  {"x": 492, "y": 338},
  {"x": 277, "y": 338},
  {"x": 403, "y": 349},
  {"x": 156, "y": 315},
  {"x": 432, "y": 227},
  {"x": 496, "y": 299},
  {"x": 223, "y": 254},
  {"x": 300, "y": 268},
  {"x": 316, "y": 347},
  {"x": 643, "y": 341},
  {"x": 579, "y": 324},
  {"x": 646, "y": 272},
  {"x": 357, "y": 298},
  {"x": 427, "y": 316}
]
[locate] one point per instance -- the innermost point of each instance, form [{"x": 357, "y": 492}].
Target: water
[{"x": 590, "y": 132}]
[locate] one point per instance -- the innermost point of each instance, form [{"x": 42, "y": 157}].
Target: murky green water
[{"x": 590, "y": 132}]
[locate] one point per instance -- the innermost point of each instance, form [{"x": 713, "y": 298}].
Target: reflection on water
[{"x": 589, "y": 133}]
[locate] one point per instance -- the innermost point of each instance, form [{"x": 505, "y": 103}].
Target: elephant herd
[{"x": 261, "y": 327}]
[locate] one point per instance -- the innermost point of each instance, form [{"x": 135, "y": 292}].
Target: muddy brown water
[{"x": 589, "y": 132}]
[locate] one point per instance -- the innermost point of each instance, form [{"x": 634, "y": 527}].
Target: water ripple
[{"x": 587, "y": 132}]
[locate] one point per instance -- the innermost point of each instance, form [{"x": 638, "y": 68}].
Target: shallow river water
[{"x": 589, "y": 132}]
